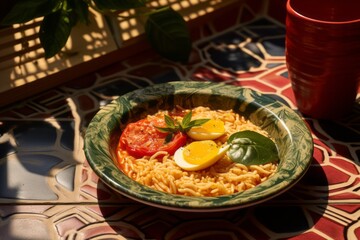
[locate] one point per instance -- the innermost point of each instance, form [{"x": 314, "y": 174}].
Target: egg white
[
  {"x": 182, "y": 163},
  {"x": 205, "y": 135},
  {"x": 206, "y": 132}
]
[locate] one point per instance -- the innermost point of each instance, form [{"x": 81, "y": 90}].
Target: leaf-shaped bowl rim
[{"x": 291, "y": 134}]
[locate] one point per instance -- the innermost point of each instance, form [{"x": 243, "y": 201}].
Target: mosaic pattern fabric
[{"x": 48, "y": 191}]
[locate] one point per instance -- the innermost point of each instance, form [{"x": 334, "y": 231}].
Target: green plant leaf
[
  {"x": 187, "y": 118},
  {"x": 168, "y": 34},
  {"x": 169, "y": 121},
  {"x": 54, "y": 32},
  {"x": 81, "y": 10},
  {"x": 168, "y": 138},
  {"x": 168, "y": 130},
  {"x": 197, "y": 122},
  {"x": 119, "y": 4},
  {"x": 185, "y": 125},
  {"x": 25, "y": 10},
  {"x": 251, "y": 148}
]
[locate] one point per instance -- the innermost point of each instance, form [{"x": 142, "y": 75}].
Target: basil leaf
[
  {"x": 168, "y": 138},
  {"x": 169, "y": 121},
  {"x": 197, "y": 122},
  {"x": 173, "y": 125},
  {"x": 54, "y": 32},
  {"x": 187, "y": 118},
  {"x": 26, "y": 10},
  {"x": 251, "y": 148},
  {"x": 166, "y": 129},
  {"x": 167, "y": 33}
]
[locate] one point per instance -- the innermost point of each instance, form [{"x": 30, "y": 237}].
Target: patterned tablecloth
[{"x": 48, "y": 191}]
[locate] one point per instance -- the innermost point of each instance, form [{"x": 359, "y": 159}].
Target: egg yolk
[
  {"x": 199, "y": 155},
  {"x": 200, "y": 152},
  {"x": 212, "y": 129}
]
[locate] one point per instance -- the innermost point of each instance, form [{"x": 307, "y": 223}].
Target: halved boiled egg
[
  {"x": 210, "y": 130},
  {"x": 199, "y": 155}
]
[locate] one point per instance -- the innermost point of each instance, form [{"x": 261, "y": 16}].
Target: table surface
[{"x": 48, "y": 190}]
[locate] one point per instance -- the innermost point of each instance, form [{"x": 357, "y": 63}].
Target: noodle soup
[{"x": 159, "y": 170}]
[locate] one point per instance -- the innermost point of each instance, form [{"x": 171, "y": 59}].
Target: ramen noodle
[{"x": 160, "y": 171}]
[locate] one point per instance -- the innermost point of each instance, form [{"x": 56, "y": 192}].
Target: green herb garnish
[
  {"x": 251, "y": 148},
  {"x": 173, "y": 126}
]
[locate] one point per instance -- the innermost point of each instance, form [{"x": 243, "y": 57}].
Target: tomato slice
[{"x": 142, "y": 138}]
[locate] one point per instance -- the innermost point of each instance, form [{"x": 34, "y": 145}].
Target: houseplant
[{"x": 165, "y": 28}]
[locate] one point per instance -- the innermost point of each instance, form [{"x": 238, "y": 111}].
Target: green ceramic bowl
[{"x": 292, "y": 137}]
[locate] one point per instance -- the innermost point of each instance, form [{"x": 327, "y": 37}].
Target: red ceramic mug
[{"x": 323, "y": 55}]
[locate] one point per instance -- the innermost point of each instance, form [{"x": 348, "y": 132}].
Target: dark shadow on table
[
  {"x": 289, "y": 214},
  {"x": 340, "y": 135}
]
